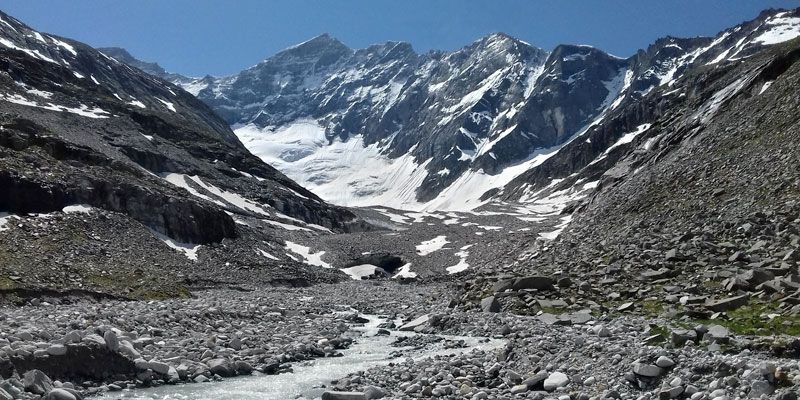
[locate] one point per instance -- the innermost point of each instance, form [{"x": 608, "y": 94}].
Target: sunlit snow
[
  {"x": 308, "y": 257},
  {"x": 429, "y": 246}
]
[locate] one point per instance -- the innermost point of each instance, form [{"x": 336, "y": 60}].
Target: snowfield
[{"x": 350, "y": 174}]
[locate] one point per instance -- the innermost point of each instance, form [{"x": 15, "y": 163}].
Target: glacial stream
[{"x": 309, "y": 376}]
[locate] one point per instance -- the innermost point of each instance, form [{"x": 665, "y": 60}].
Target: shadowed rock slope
[{"x": 102, "y": 167}]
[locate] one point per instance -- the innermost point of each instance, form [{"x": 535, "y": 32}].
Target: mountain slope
[
  {"x": 693, "y": 204},
  {"x": 84, "y": 137}
]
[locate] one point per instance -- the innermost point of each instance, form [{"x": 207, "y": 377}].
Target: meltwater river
[{"x": 308, "y": 377}]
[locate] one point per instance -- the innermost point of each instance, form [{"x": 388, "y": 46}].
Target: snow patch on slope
[
  {"x": 782, "y": 28},
  {"x": 342, "y": 172},
  {"x": 429, "y": 246},
  {"x": 83, "y": 110},
  {"x": 308, "y": 257}
]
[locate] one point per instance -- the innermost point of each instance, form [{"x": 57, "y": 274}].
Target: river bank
[{"x": 282, "y": 334}]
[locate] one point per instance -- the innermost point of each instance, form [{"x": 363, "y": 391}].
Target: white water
[{"x": 308, "y": 377}]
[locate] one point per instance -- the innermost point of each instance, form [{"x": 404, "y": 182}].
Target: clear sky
[{"x": 220, "y": 37}]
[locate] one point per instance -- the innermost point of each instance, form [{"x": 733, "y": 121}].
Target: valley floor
[{"x": 112, "y": 346}]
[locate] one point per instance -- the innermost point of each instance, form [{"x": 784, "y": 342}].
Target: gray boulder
[
  {"x": 647, "y": 370},
  {"x": 37, "y": 382},
  {"x": 727, "y": 304},
  {"x": 534, "y": 282},
  {"x": 490, "y": 304},
  {"x": 221, "y": 367},
  {"x": 374, "y": 392},
  {"x": 330, "y": 395},
  {"x": 111, "y": 340},
  {"x": 63, "y": 394}
]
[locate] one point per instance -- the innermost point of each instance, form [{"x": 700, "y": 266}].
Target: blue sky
[{"x": 197, "y": 37}]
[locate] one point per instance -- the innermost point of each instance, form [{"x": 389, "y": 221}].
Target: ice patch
[
  {"x": 626, "y": 138},
  {"x": 707, "y": 112},
  {"x": 5, "y": 218},
  {"x": 308, "y": 257},
  {"x": 83, "y": 110},
  {"x": 405, "y": 272},
  {"x": 559, "y": 228},
  {"x": 429, "y": 246},
  {"x": 77, "y": 208},
  {"x": 188, "y": 249},
  {"x": 398, "y": 218},
  {"x": 30, "y": 52},
  {"x": 66, "y": 46},
  {"x": 358, "y": 272},
  {"x": 462, "y": 262},
  {"x": 288, "y": 227},
  {"x": 765, "y": 87},
  {"x": 137, "y": 103},
  {"x": 232, "y": 199},
  {"x": 169, "y": 105},
  {"x": 267, "y": 255},
  {"x": 783, "y": 29},
  {"x": 194, "y": 87}
]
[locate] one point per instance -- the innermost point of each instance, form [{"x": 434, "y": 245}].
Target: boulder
[
  {"x": 419, "y": 321},
  {"x": 37, "y": 382},
  {"x": 243, "y": 367},
  {"x": 555, "y": 381},
  {"x": 94, "y": 339},
  {"x": 330, "y": 395},
  {"x": 679, "y": 337},
  {"x": 664, "y": 362},
  {"x": 534, "y": 282},
  {"x": 502, "y": 285},
  {"x": 490, "y": 304},
  {"x": 57, "y": 350},
  {"x": 647, "y": 370},
  {"x": 718, "y": 334},
  {"x": 158, "y": 367},
  {"x": 671, "y": 255},
  {"x": 727, "y": 304},
  {"x": 63, "y": 394},
  {"x": 221, "y": 367},
  {"x": 126, "y": 348},
  {"x": 112, "y": 342},
  {"x": 518, "y": 389},
  {"x": 374, "y": 392},
  {"x": 536, "y": 380}
]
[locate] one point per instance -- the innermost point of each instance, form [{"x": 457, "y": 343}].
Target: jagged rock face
[{"x": 466, "y": 123}]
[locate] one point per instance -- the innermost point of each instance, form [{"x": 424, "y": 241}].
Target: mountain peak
[
  {"x": 318, "y": 42},
  {"x": 501, "y": 38}
]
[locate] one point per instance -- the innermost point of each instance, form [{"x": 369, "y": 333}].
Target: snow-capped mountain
[{"x": 387, "y": 126}]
